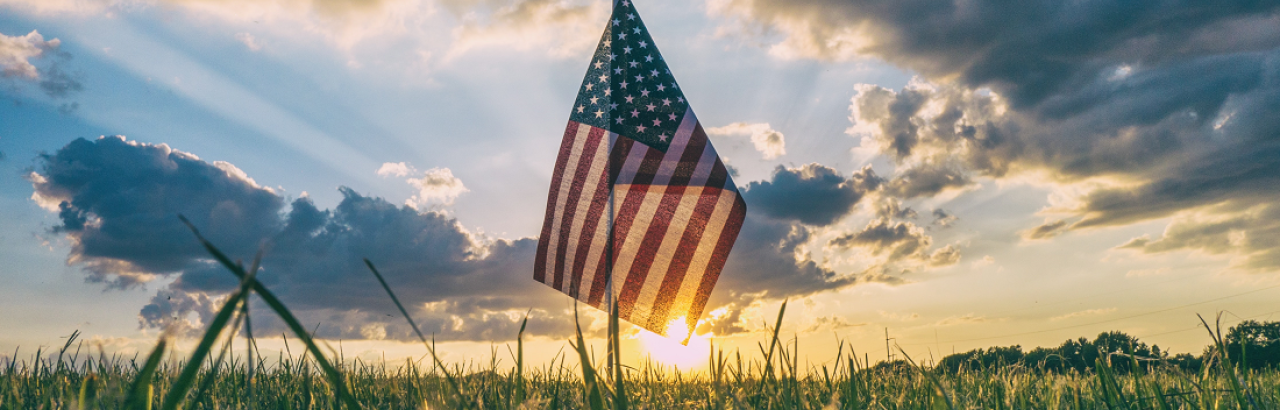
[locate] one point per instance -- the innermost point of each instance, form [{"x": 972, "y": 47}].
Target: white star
[
  {"x": 639, "y": 78},
  {"x": 622, "y": 36},
  {"x": 644, "y": 93},
  {"x": 634, "y": 64},
  {"x": 624, "y": 84},
  {"x": 618, "y": 120},
  {"x": 680, "y": 99},
  {"x": 662, "y": 138},
  {"x": 640, "y": 128},
  {"x": 657, "y": 122},
  {"x": 648, "y": 59},
  {"x": 631, "y": 16},
  {"x": 629, "y": 98},
  {"x": 653, "y": 73},
  {"x": 671, "y": 117},
  {"x": 627, "y": 50},
  {"x": 599, "y": 114},
  {"x": 664, "y": 102},
  {"x": 662, "y": 87},
  {"x": 580, "y": 108},
  {"x": 604, "y": 78},
  {"x": 616, "y": 21},
  {"x": 614, "y": 106},
  {"x": 644, "y": 45},
  {"x": 674, "y": 85},
  {"x": 590, "y": 86},
  {"x": 635, "y": 113},
  {"x": 608, "y": 92},
  {"x": 626, "y": 3},
  {"x": 612, "y": 56},
  {"x": 637, "y": 30},
  {"x": 599, "y": 64},
  {"x": 651, "y": 107},
  {"x": 608, "y": 43},
  {"x": 617, "y": 70},
  {"x": 595, "y": 100}
]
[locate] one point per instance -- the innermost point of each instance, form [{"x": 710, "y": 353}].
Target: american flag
[{"x": 676, "y": 210}]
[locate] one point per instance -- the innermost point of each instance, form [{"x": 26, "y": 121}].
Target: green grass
[{"x": 768, "y": 379}]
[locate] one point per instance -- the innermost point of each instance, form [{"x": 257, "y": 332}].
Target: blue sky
[{"x": 1041, "y": 173}]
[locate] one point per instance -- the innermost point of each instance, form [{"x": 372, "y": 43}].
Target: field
[{"x": 768, "y": 379}]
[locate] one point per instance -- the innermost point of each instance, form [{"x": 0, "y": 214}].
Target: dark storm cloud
[
  {"x": 1028, "y": 50},
  {"x": 118, "y": 203},
  {"x": 1171, "y": 102},
  {"x": 813, "y": 194}
]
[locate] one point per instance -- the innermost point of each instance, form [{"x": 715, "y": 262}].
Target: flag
[{"x": 676, "y": 211}]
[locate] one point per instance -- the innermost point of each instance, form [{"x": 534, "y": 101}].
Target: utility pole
[{"x": 888, "y": 354}]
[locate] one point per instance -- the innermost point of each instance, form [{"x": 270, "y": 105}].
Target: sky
[{"x": 955, "y": 175}]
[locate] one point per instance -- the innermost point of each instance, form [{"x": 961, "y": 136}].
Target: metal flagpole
[{"x": 608, "y": 266}]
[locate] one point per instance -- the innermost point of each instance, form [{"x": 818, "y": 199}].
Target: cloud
[
  {"x": 771, "y": 143},
  {"x": 17, "y": 54},
  {"x": 398, "y": 169},
  {"x": 563, "y": 28},
  {"x": 813, "y": 194},
  {"x": 888, "y": 207},
  {"x": 943, "y": 219},
  {"x": 437, "y": 186},
  {"x": 1046, "y": 230},
  {"x": 1022, "y": 49},
  {"x": 249, "y": 41},
  {"x": 1250, "y": 234},
  {"x": 118, "y": 203},
  {"x": 897, "y": 242}
]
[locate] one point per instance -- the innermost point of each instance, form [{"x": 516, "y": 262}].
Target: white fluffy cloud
[
  {"x": 436, "y": 186},
  {"x": 771, "y": 143},
  {"x": 16, "y": 53}
]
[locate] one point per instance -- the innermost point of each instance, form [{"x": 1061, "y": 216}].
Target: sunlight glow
[{"x": 668, "y": 350}]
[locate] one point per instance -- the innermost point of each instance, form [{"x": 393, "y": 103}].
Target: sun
[{"x": 668, "y": 350}]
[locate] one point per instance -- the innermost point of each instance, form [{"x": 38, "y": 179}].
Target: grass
[{"x": 769, "y": 379}]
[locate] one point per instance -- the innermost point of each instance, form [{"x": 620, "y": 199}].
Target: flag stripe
[
  {"x": 566, "y": 147},
  {"x": 732, "y": 226},
  {"x": 695, "y": 234},
  {"x": 591, "y": 170},
  {"x": 722, "y": 209},
  {"x": 553, "y": 264}
]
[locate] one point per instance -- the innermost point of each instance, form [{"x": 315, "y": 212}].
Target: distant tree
[
  {"x": 1255, "y": 345},
  {"x": 982, "y": 359}
]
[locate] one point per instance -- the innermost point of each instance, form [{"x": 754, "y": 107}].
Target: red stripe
[
  {"x": 718, "y": 257},
  {"x": 639, "y": 269},
  {"x": 621, "y": 150},
  {"x": 571, "y": 202},
  {"x": 599, "y": 205},
  {"x": 658, "y": 227},
  {"x": 635, "y": 196},
  {"x": 676, "y": 274},
  {"x": 566, "y": 145}
]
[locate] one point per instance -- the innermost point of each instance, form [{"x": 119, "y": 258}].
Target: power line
[{"x": 1109, "y": 320}]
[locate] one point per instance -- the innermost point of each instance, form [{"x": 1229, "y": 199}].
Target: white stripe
[
  {"x": 702, "y": 256},
  {"x": 598, "y": 243},
  {"x": 598, "y": 163},
  {"x": 566, "y": 180},
  {"x": 662, "y": 261}
]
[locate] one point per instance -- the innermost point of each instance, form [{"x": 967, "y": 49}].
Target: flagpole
[{"x": 608, "y": 266}]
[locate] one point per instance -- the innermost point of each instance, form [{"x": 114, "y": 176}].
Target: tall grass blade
[
  {"x": 335, "y": 377},
  {"x": 457, "y": 390},
  {"x": 178, "y": 391},
  {"x": 141, "y": 391}
]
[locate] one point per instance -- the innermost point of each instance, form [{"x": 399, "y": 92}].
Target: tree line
[{"x": 1250, "y": 344}]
